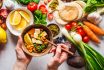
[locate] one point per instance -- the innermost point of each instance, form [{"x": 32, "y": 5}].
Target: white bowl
[{"x": 10, "y": 27}]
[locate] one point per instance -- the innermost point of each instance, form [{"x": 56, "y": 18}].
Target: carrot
[
  {"x": 31, "y": 31},
  {"x": 94, "y": 28},
  {"x": 92, "y": 36}
]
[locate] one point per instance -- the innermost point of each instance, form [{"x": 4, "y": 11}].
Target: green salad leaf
[
  {"x": 25, "y": 2},
  {"x": 92, "y": 5},
  {"x": 40, "y": 18}
]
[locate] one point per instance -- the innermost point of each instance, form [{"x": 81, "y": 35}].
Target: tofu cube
[
  {"x": 35, "y": 35},
  {"x": 37, "y": 31}
]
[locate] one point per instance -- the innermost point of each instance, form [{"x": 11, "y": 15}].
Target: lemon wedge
[
  {"x": 25, "y": 16},
  {"x": 15, "y": 18},
  {"x": 21, "y": 25},
  {"x": 27, "y": 39}
]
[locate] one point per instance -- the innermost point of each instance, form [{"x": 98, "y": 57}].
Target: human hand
[
  {"x": 59, "y": 58},
  {"x": 22, "y": 57}
]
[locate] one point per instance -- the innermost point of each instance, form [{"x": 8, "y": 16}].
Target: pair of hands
[{"x": 56, "y": 61}]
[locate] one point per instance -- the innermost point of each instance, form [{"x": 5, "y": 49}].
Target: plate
[{"x": 10, "y": 27}]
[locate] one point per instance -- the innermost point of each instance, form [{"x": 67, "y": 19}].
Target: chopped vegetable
[
  {"x": 94, "y": 28},
  {"x": 34, "y": 40},
  {"x": 40, "y": 18},
  {"x": 54, "y": 28}
]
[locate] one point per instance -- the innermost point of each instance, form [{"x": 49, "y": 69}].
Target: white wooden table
[{"x": 8, "y": 56}]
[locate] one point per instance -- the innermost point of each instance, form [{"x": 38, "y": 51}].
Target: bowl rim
[
  {"x": 9, "y": 26},
  {"x": 46, "y": 50}
]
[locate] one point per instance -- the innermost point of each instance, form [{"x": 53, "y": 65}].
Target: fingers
[
  {"x": 63, "y": 57},
  {"x": 19, "y": 43},
  {"x": 53, "y": 49},
  {"x": 64, "y": 46},
  {"x": 58, "y": 52}
]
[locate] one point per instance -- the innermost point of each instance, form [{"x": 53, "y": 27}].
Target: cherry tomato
[
  {"x": 68, "y": 26},
  {"x": 86, "y": 39},
  {"x": 43, "y": 9},
  {"x": 79, "y": 27},
  {"x": 4, "y": 26},
  {"x": 32, "y": 6},
  {"x": 81, "y": 32},
  {"x": 50, "y": 16},
  {"x": 74, "y": 24}
]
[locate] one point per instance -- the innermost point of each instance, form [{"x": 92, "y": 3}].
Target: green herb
[
  {"x": 36, "y": 1},
  {"x": 40, "y": 18},
  {"x": 92, "y": 5},
  {"x": 40, "y": 48},
  {"x": 25, "y": 2}
]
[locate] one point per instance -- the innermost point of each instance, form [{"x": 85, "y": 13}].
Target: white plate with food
[{"x": 18, "y": 20}]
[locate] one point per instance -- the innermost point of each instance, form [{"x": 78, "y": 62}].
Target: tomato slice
[{"x": 43, "y": 9}]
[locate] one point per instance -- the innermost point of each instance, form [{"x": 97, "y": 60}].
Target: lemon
[
  {"x": 16, "y": 18},
  {"x": 21, "y": 25},
  {"x": 3, "y": 36},
  {"x": 11, "y": 18},
  {"x": 27, "y": 39},
  {"x": 25, "y": 16}
]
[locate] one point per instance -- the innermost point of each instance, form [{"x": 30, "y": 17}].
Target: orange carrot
[
  {"x": 94, "y": 28},
  {"x": 92, "y": 36},
  {"x": 31, "y": 31}
]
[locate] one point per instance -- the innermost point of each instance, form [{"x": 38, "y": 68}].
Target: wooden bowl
[{"x": 49, "y": 35}]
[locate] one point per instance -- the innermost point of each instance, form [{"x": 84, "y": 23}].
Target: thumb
[{"x": 20, "y": 42}]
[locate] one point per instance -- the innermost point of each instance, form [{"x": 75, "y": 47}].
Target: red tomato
[
  {"x": 79, "y": 27},
  {"x": 74, "y": 24},
  {"x": 86, "y": 39},
  {"x": 81, "y": 32},
  {"x": 32, "y": 6},
  {"x": 50, "y": 16},
  {"x": 68, "y": 26},
  {"x": 43, "y": 9}
]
